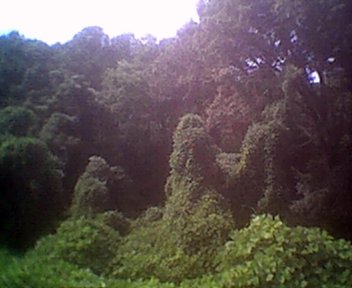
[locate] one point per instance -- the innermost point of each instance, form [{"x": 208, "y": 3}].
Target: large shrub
[
  {"x": 270, "y": 254},
  {"x": 86, "y": 243},
  {"x": 99, "y": 188}
]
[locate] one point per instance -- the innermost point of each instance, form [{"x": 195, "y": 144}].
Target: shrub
[
  {"x": 95, "y": 190},
  {"x": 270, "y": 254},
  {"x": 87, "y": 243},
  {"x": 34, "y": 272}
]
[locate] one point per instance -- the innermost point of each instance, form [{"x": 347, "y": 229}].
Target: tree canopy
[{"x": 221, "y": 157}]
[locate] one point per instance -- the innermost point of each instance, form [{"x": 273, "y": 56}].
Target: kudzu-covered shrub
[
  {"x": 34, "y": 270},
  {"x": 173, "y": 251},
  {"x": 97, "y": 189},
  {"x": 115, "y": 220},
  {"x": 270, "y": 254},
  {"x": 38, "y": 272},
  {"x": 87, "y": 243}
]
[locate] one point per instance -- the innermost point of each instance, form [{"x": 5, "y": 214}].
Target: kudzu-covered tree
[
  {"x": 181, "y": 240},
  {"x": 192, "y": 163},
  {"x": 99, "y": 189},
  {"x": 291, "y": 160}
]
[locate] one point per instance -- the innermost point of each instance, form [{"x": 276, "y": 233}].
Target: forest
[{"x": 219, "y": 158}]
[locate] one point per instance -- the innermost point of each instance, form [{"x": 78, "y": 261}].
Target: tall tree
[{"x": 30, "y": 191}]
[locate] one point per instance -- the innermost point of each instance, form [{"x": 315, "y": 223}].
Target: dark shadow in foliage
[
  {"x": 31, "y": 191},
  {"x": 294, "y": 161},
  {"x": 60, "y": 134},
  {"x": 132, "y": 136}
]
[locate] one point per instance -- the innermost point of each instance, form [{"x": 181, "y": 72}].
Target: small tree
[
  {"x": 18, "y": 121},
  {"x": 95, "y": 189}
]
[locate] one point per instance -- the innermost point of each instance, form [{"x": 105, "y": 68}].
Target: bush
[
  {"x": 270, "y": 254},
  {"x": 116, "y": 220},
  {"x": 86, "y": 243},
  {"x": 34, "y": 272},
  {"x": 97, "y": 188},
  {"x": 265, "y": 254}
]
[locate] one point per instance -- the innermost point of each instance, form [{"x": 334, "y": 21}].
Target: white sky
[{"x": 59, "y": 20}]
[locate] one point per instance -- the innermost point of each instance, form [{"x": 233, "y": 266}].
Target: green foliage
[
  {"x": 158, "y": 249},
  {"x": 132, "y": 135},
  {"x": 151, "y": 215},
  {"x": 87, "y": 243},
  {"x": 59, "y": 134},
  {"x": 202, "y": 226},
  {"x": 270, "y": 254},
  {"x": 228, "y": 119},
  {"x": 36, "y": 272},
  {"x": 265, "y": 254},
  {"x": 192, "y": 161},
  {"x": 281, "y": 153},
  {"x": 17, "y": 121},
  {"x": 31, "y": 191},
  {"x": 182, "y": 240},
  {"x": 194, "y": 208},
  {"x": 272, "y": 141},
  {"x": 115, "y": 220},
  {"x": 89, "y": 54},
  {"x": 94, "y": 191},
  {"x": 24, "y": 66},
  {"x": 258, "y": 177}
]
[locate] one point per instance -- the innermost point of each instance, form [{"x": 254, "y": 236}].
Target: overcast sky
[{"x": 58, "y": 21}]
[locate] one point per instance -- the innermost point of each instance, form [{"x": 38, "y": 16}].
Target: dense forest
[{"x": 221, "y": 157}]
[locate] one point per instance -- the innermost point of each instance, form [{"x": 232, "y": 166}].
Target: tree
[
  {"x": 194, "y": 223},
  {"x": 278, "y": 167},
  {"x": 137, "y": 139},
  {"x": 89, "y": 54},
  {"x": 17, "y": 121},
  {"x": 24, "y": 69},
  {"x": 194, "y": 202},
  {"x": 99, "y": 189},
  {"x": 31, "y": 190},
  {"x": 193, "y": 158}
]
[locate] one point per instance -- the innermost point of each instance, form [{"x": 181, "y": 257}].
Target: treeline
[{"x": 155, "y": 156}]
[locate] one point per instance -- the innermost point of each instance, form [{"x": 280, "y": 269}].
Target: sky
[{"x": 55, "y": 21}]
